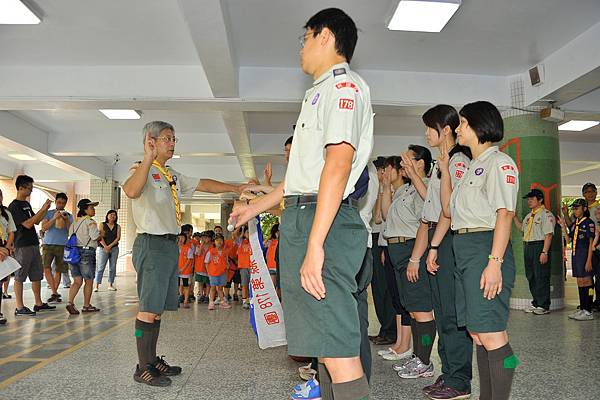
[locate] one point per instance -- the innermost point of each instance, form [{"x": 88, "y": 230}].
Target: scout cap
[
  {"x": 579, "y": 203},
  {"x": 85, "y": 203},
  {"x": 535, "y": 193}
]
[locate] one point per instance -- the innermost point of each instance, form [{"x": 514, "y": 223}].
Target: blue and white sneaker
[{"x": 307, "y": 391}]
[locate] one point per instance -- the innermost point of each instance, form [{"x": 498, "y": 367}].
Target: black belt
[
  {"x": 534, "y": 242},
  {"x": 166, "y": 236},
  {"x": 290, "y": 201}
]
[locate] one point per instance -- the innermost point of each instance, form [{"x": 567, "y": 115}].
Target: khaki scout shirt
[
  {"x": 433, "y": 203},
  {"x": 154, "y": 210},
  {"x": 543, "y": 224},
  {"x": 336, "y": 109},
  {"x": 404, "y": 215},
  {"x": 490, "y": 183}
]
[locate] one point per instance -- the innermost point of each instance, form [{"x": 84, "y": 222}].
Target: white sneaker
[
  {"x": 417, "y": 370},
  {"x": 405, "y": 364},
  {"x": 541, "y": 311},
  {"x": 529, "y": 309},
  {"x": 112, "y": 288},
  {"x": 584, "y": 315},
  {"x": 393, "y": 356},
  {"x": 575, "y": 314},
  {"x": 96, "y": 290},
  {"x": 386, "y": 351}
]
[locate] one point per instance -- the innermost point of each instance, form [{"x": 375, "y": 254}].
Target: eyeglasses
[
  {"x": 304, "y": 37},
  {"x": 168, "y": 139}
]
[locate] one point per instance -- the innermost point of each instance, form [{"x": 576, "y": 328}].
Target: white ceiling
[
  {"x": 107, "y": 32},
  {"x": 487, "y": 37}
]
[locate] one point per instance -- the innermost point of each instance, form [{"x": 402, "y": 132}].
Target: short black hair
[
  {"x": 588, "y": 186},
  {"x": 342, "y": 27},
  {"x": 187, "y": 228},
  {"x": 111, "y": 212},
  {"x": 485, "y": 119},
  {"x": 219, "y": 236},
  {"x": 22, "y": 181},
  {"x": 422, "y": 153},
  {"x": 394, "y": 162},
  {"x": 289, "y": 140},
  {"x": 219, "y": 226},
  {"x": 62, "y": 196},
  {"x": 274, "y": 230}
]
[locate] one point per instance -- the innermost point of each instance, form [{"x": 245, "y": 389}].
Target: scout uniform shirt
[
  {"x": 592, "y": 208},
  {"x": 490, "y": 183},
  {"x": 432, "y": 208},
  {"x": 336, "y": 109},
  {"x": 405, "y": 212},
  {"x": 154, "y": 211},
  {"x": 537, "y": 224}
]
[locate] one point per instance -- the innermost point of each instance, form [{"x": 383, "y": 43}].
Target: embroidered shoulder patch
[
  {"x": 339, "y": 71},
  {"x": 511, "y": 179},
  {"x": 346, "y": 104},
  {"x": 342, "y": 85}
]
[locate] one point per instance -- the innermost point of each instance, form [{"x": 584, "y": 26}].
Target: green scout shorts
[
  {"x": 415, "y": 297},
  {"x": 54, "y": 253},
  {"x": 329, "y": 327},
  {"x": 479, "y": 315},
  {"x": 202, "y": 279},
  {"x": 155, "y": 261}
]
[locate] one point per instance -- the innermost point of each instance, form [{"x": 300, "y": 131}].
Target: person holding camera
[{"x": 56, "y": 226}]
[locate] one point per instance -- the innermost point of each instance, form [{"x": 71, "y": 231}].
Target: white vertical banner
[{"x": 266, "y": 308}]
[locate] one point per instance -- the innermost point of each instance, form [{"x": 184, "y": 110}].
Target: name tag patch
[
  {"x": 156, "y": 177},
  {"x": 511, "y": 179},
  {"x": 346, "y": 104},
  {"x": 315, "y": 99},
  {"x": 339, "y": 71}
]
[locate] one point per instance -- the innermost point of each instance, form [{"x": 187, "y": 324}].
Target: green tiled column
[{"x": 533, "y": 144}]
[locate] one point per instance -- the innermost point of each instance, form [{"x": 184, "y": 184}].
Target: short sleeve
[
  {"x": 548, "y": 224},
  {"x": 93, "y": 230},
  {"x": 11, "y": 223},
  {"x": 207, "y": 257},
  {"x": 502, "y": 185},
  {"x": 341, "y": 116},
  {"x": 187, "y": 184},
  {"x": 18, "y": 215},
  {"x": 458, "y": 168},
  {"x": 591, "y": 231},
  {"x": 418, "y": 203}
]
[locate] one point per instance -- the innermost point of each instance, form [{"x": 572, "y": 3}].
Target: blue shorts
[
  {"x": 218, "y": 280},
  {"x": 86, "y": 268},
  {"x": 578, "y": 261}
]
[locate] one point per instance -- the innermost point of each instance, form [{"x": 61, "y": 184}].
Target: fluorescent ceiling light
[
  {"x": 121, "y": 114},
  {"x": 21, "y": 157},
  {"x": 423, "y": 15},
  {"x": 14, "y": 12},
  {"x": 577, "y": 126}
]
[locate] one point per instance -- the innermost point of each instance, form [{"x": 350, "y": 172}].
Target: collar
[
  {"x": 330, "y": 72},
  {"x": 487, "y": 153}
]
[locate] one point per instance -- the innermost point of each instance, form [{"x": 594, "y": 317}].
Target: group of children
[{"x": 215, "y": 265}]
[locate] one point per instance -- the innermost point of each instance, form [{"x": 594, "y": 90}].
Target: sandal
[
  {"x": 6, "y": 296},
  {"x": 89, "y": 309}
]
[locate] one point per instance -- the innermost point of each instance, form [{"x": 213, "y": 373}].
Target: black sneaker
[
  {"x": 25, "y": 311},
  {"x": 2, "y": 319},
  {"x": 43, "y": 307},
  {"x": 165, "y": 369},
  {"x": 55, "y": 298},
  {"x": 150, "y": 376},
  {"x": 192, "y": 298},
  {"x": 181, "y": 298}
]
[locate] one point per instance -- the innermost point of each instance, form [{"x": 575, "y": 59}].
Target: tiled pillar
[{"x": 533, "y": 144}]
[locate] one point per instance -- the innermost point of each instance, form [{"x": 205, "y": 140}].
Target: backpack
[{"x": 72, "y": 255}]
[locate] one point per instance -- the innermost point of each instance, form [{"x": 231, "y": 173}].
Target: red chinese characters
[
  {"x": 272, "y": 318},
  {"x": 257, "y": 284}
]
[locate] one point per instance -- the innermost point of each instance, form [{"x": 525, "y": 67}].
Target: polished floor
[{"x": 55, "y": 356}]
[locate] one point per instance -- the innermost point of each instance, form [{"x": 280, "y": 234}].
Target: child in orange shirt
[
  {"x": 271, "y": 250},
  {"x": 244, "y": 253},
  {"x": 217, "y": 265},
  {"x": 186, "y": 261},
  {"x": 202, "y": 280}
]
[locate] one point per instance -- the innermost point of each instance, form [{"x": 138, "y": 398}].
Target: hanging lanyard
[
  {"x": 577, "y": 232},
  {"x": 173, "y": 187},
  {"x": 530, "y": 223}
]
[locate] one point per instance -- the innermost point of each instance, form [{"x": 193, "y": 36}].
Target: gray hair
[{"x": 154, "y": 128}]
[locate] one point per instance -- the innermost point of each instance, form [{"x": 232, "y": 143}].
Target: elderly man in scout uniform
[
  {"x": 323, "y": 239},
  {"x": 538, "y": 229},
  {"x": 156, "y": 191}
]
